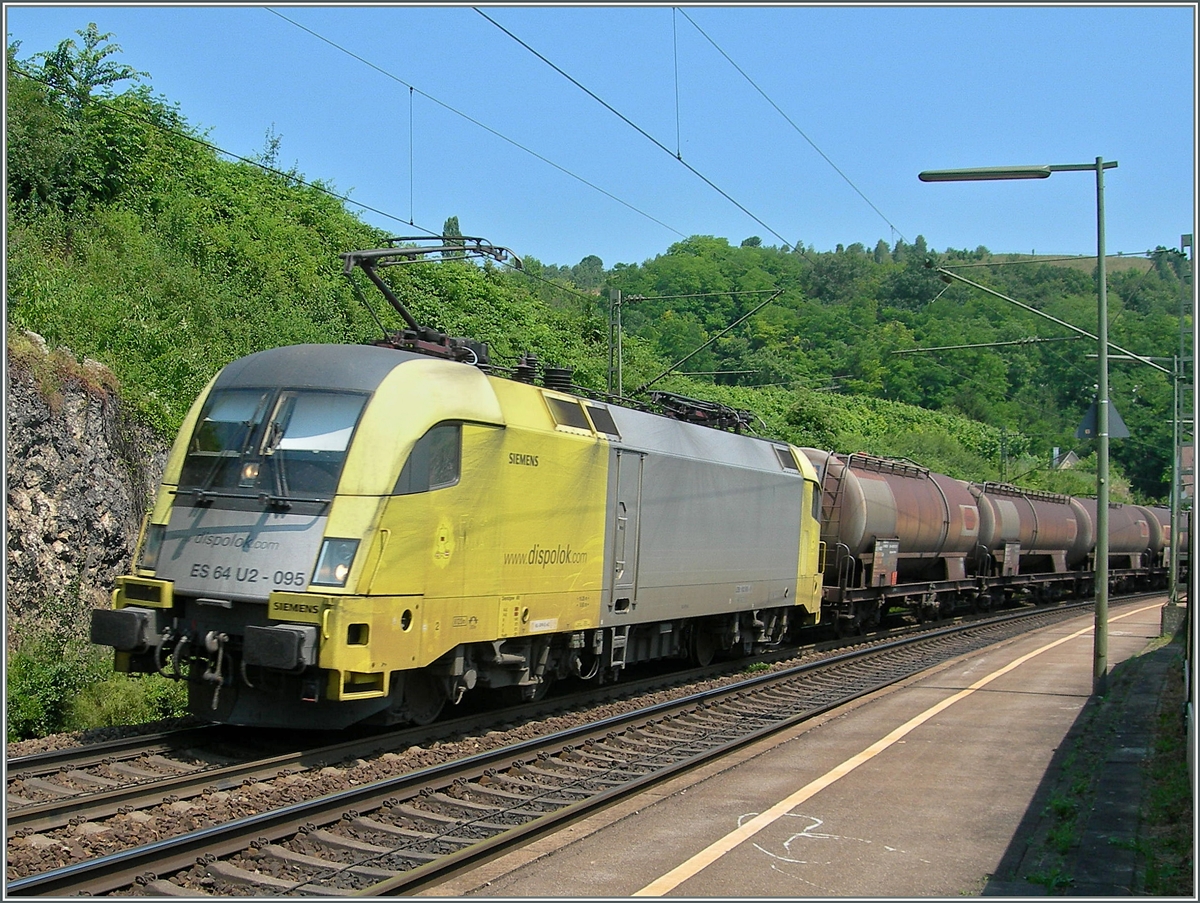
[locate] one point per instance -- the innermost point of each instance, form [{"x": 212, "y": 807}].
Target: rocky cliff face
[{"x": 80, "y": 474}]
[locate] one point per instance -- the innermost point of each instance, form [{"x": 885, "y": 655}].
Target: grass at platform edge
[{"x": 1166, "y": 839}]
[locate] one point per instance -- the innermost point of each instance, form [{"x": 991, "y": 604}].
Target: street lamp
[{"x": 1100, "y": 648}]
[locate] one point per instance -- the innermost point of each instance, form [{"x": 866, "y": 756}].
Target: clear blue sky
[{"x": 883, "y": 92}]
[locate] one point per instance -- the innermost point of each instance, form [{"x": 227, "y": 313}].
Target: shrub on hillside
[{"x": 56, "y": 686}]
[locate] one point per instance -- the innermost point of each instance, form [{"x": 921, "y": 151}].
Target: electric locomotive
[{"x": 365, "y": 533}]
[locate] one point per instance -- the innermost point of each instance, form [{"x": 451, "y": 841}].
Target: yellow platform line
[{"x": 715, "y": 851}]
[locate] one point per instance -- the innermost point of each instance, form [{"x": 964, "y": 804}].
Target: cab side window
[{"x": 435, "y": 462}]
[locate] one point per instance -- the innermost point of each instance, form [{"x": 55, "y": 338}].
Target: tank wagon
[
  {"x": 898, "y": 536},
  {"x": 894, "y": 533},
  {"x": 1179, "y": 547},
  {"x": 364, "y": 533}
]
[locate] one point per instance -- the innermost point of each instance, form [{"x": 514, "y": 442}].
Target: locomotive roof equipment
[{"x": 418, "y": 338}]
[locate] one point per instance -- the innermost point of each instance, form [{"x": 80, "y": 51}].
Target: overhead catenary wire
[
  {"x": 476, "y": 122},
  {"x": 788, "y": 119},
  {"x": 1030, "y": 340},
  {"x": 675, "y": 51},
  {"x": 1133, "y": 255},
  {"x": 641, "y": 131},
  {"x": 298, "y": 180},
  {"x": 646, "y": 385}
]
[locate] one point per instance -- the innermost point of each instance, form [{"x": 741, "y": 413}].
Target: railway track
[
  {"x": 397, "y": 834},
  {"x": 47, "y": 791}
]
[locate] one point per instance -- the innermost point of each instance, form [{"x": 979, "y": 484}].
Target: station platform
[{"x": 944, "y": 785}]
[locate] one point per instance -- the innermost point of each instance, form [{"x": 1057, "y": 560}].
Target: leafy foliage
[
  {"x": 884, "y": 326},
  {"x": 55, "y": 686},
  {"x": 42, "y": 678}
]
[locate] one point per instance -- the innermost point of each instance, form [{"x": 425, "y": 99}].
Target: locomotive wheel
[
  {"x": 704, "y": 647},
  {"x": 542, "y": 690},
  {"x": 423, "y": 698}
]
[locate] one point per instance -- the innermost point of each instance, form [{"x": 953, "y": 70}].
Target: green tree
[
  {"x": 588, "y": 274},
  {"x": 77, "y": 73},
  {"x": 452, "y": 236}
]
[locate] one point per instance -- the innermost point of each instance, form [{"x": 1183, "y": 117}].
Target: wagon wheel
[{"x": 846, "y": 627}]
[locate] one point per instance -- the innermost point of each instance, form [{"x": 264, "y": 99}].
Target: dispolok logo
[
  {"x": 443, "y": 543},
  {"x": 237, "y": 541},
  {"x": 539, "y": 556}
]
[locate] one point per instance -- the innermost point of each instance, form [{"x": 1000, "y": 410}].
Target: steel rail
[{"x": 43, "y": 763}]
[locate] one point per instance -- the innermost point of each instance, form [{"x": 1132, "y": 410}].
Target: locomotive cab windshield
[{"x": 279, "y": 442}]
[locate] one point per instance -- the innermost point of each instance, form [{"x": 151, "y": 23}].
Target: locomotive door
[{"x": 627, "y": 529}]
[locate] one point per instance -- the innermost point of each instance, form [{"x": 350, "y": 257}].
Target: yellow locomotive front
[{"x": 249, "y": 535}]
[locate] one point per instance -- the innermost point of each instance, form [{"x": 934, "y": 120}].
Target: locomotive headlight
[
  {"x": 333, "y": 564},
  {"x": 152, "y": 545}
]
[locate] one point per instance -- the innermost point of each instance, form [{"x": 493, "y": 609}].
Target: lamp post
[
  {"x": 1185, "y": 243},
  {"x": 1100, "y": 647}
]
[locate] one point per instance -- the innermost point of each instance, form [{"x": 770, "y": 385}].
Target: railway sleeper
[
  {"x": 93, "y": 780},
  {"x": 556, "y": 775},
  {"x": 160, "y": 887},
  {"x": 44, "y": 786},
  {"x": 447, "y": 822},
  {"x": 232, "y": 874},
  {"x": 132, "y": 771},
  {"x": 570, "y": 759},
  {"x": 672, "y": 732},
  {"x": 539, "y": 791},
  {"x": 609, "y": 764},
  {"x": 593, "y": 767},
  {"x": 540, "y": 795},
  {"x": 498, "y": 795},
  {"x": 467, "y": 808},
  {"x": 374, "y": 826},
  {"x": 340, "y": 841},
  {"x": 317, "y": 862}
]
